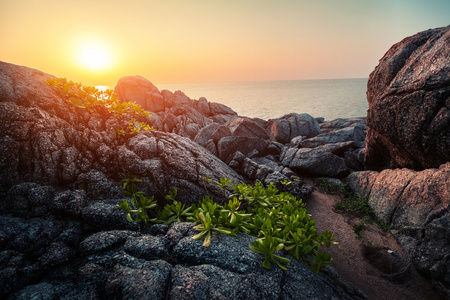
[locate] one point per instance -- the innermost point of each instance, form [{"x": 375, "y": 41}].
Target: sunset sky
[{"x": 97, "y": 42}]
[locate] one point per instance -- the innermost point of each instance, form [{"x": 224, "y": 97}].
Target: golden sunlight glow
[{"x": 94, "y": 56}]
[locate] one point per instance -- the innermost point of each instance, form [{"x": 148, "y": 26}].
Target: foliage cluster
[
  {"x": 89, "y": 98},
  {"x": 278, "y": 220}
]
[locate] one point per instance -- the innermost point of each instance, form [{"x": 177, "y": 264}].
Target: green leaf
[
  {"x": 200, "y": 235},
  {"x": 225, "y": 231},
  {"x": 129, "y": 218},
  {"x": 266, "y": 264},
  {"x": 283, "y": 259},
  {"x": 207, "y": 241},
  {"x": 280, "y": 266}
]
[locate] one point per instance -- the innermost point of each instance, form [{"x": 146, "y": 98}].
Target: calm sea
[{"x": 328, "y": 98}]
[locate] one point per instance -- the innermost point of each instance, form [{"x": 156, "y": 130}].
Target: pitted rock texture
[
  {"x": 417, "y": 204},
  {"x": 51, "y": 258},
  {"x": 43, "y": 140},
  {"x": 409, "y": 104}
]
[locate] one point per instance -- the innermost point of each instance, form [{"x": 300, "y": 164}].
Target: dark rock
[
  {"x": 276, "y": 178},
  {"x": 69, "y": 202},
  {"x": 409, "y": 111},
  {"x": 104, "y": 240},
  {"x": 337, "y": 148},
  {"x": 220, "y": 133},
  {"x": 104, "y": 215},
  {"x": 147, "y": 247},
  {"x": 289, "y": 126},
  {"x": 159, "y": 229},
  {"x": 318, "y": 161},
  {"x": 354, "y": 159},
  {"x": 211, "y": 147},
  {"x": 205, "y": 134},
  {"x": 227, "y": 146},
  {"x": 249, "y": 168},
  {"x": 56, "y": 254},
  {"x": 148, "y": 280},
  {"x": 211, "y": 282}
]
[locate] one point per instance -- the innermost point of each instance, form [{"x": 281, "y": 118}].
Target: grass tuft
[{"x": 351, "y": 205}]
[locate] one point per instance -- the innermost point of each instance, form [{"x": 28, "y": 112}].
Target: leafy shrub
[
  {"x": 90, "y": 98},
  {"x": 278, "y": 220}
]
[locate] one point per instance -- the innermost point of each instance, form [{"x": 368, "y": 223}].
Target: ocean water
[{"x": 328, "y": 98}]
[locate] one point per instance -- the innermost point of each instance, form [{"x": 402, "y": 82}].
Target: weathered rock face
[
  {"x": 43, "y": 140},
  {"x": 409, "y": 104},
  {"x": 418, "y": 204}
]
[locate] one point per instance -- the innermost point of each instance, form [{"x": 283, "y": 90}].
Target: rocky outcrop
[
  {"x": 53, "y": 258},
  {"x": 45, "y": 141},
  {"x": 335, "y": 152},
  {"x": 172, "y": 112},
  {"x": 61, "y": 235},
  {"x": 409, "y": 110},
  {"x": 417, "y": 205}
]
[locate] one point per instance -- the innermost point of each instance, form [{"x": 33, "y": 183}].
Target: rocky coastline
[{"x": 62, "y": 236}]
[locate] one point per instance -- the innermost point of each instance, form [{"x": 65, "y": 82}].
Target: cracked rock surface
[{"x": 416, "y": 205}]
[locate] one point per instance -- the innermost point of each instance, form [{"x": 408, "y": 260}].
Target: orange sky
[{"x": 211, "y": 40}]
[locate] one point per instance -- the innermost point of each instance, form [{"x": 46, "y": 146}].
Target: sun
[{"x": 94, "y": 56}]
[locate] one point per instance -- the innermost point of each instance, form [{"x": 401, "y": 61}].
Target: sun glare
[{"x": 94, "y": 56}]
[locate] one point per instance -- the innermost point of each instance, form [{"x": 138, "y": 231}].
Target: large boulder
[
  {"x": 416, "y": 204},
  {"x": 140, "y": 90},
  {"x": 409, "y": 104},
  {"x": 289, "y": 126},
  {"x": 44, "y": 140},
  {"x": 241, "y": 126},
  {"x": 322, "y": 161}
]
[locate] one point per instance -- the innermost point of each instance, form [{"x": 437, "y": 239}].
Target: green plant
[
  {"x": 278, "y": 220},
  {"x": 358, "y": 227},
  {"x": 208, "y": 215},
  {"x": 351, "y": 205},
  {"x": 175, "y": 212},
  {"x": 139, "y": 202},
  {"x": 330, "y": 187},
  {"x": 90, "y": 98},
  {"x": 268, "y": 246}
]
